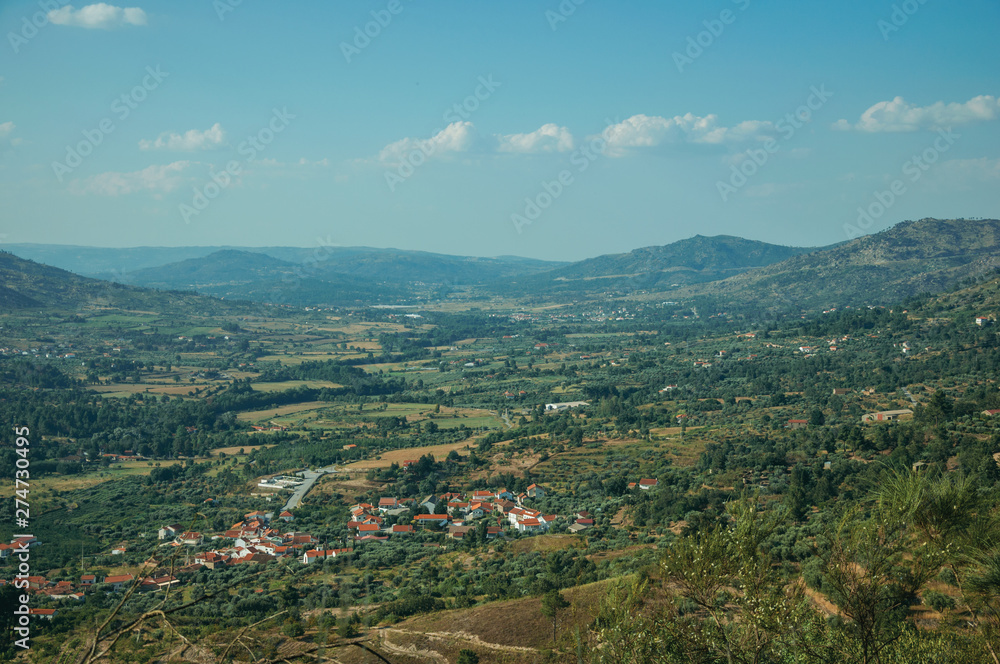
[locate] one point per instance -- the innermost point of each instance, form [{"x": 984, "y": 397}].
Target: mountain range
[{"x": 929, "y": 255}]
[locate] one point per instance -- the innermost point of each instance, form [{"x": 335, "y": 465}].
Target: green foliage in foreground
[{"x": 718, "y": 597}]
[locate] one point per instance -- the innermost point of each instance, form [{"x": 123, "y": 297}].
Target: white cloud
[
  {"x": 547, "y": 138},
  {"x": 274, "y": 163},
  {"x": 155, "y": 179},
  {"x": 644, "y": 131},
  {"x": 900, "y": 115},
  {"x": 98, "y": 16},
  {"x": 462, "y": 137},
  {"x": 456, "y": 137},
  {"x": 189, "y": 141},
  {"x": 6, "y": 128}
]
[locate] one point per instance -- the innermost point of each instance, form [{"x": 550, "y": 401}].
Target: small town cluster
[{"x": 259, "y": 537}]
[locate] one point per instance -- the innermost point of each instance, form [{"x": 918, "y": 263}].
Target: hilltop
[
  {"x": 913, "y": 257},
  {"x": 694, "y": 260}
]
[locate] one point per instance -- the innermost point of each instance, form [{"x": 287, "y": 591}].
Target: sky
[{"x": 552, "y": 129}]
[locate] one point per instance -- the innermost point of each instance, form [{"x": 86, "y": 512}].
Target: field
[
  {"x": 504, "y": 631},
  {"x": 291, "y": 384},
  {"x": 545, "y": 543},
  {"x": 386, "y": 459},
  {"x": 291, "y": 409}
]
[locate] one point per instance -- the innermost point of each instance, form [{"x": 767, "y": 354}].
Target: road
[
  {"x": 300, "y": 491},
  {"x": 906, "y": 391}
]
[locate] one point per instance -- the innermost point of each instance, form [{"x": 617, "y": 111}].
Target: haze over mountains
[{"x": 929, "y": 255}]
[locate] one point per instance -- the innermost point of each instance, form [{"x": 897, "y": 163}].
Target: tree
[
  {"x": 552, "y": 603},
  {"x": 466, "y": 656}
]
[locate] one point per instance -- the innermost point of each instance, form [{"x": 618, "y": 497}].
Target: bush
[
  {"x": 466, "y": 656},
  {"x": 947, "y": 575},
  {"x": 938, "y": 601}
]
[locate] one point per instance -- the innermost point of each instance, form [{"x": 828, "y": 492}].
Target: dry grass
[
  {"x": 511, "y": 626},
  {"x": 255, "y": 415},
  {"x": 291, "y": 384},
  {"x": 544, "y": 543},
  {"x": 399, "y": 456}
]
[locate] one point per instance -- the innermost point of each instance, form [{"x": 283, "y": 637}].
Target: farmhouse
[
  {"x": 116, "y": 582},
  {"x": 566, "y": 405},
  {"x": 887, "y": 415},
  {"x": 170, "y": 532}
]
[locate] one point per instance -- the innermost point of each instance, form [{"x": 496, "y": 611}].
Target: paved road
[
  {"x": 300, "y": 491},
  {"x": 907, "y": 393}
]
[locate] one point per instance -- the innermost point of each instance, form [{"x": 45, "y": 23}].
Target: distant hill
[
  {"x": 244, "y": 275},
  {"x": 361, "y": 262},
  {"x": 913, "y": 257},
  {"x": 222, "y": 268},
  {"x": 27, "y": 284},
  {"x": 694, "y": 260},
  {"x": 926, "y": 256}
]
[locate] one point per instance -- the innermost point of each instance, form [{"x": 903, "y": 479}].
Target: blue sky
[{"x": 543, "y": 129}]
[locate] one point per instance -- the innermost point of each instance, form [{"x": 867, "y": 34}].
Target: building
[
  {"x": 424, "y": 520},
  {"x": 887, "y": 415},
  {"x": 566, "y": 405},
  {"x": 798, "y": 424},
  {"x": 117, "y": 582},
  {"x": 170, "y": 532}
]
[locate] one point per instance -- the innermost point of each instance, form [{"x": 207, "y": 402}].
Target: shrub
[{"x": 938, "y": 601}]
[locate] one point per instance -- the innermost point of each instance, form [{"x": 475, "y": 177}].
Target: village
[{"x": 261, "y": 537}]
